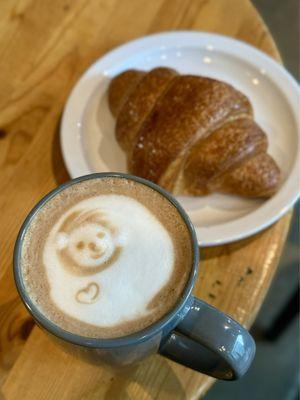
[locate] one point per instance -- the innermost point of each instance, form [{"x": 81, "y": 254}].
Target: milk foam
[{"x": 106, "y": 258}]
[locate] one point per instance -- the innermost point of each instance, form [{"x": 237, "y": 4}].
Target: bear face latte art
[{"x": 106, "y": 257}]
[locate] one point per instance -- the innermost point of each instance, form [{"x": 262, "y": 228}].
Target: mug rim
[{"x": 136, "y": 337}]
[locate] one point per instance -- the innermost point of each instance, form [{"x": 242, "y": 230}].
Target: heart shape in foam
[{"x": 89, "y": 294}]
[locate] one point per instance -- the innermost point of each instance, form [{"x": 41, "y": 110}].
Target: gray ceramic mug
[{"x": 193, "y": 333}]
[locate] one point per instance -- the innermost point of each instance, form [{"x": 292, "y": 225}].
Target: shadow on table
[
  {"x": 210, "y": 253},
  {"x": 60, "y": 172},
  {"x": 146, "y": 379},
  {"x": 135, "y": 382}
]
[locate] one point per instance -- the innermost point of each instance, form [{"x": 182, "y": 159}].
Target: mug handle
[{"x": 210, "y": 342}]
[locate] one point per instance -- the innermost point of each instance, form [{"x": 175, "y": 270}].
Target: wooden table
[{"x": 45, "y": 47}]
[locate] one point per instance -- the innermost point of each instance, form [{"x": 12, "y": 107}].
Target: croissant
[{"x": 192, "y": 135}]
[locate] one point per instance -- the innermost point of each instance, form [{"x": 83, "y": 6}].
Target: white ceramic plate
[{"x": 87, "y": 129}]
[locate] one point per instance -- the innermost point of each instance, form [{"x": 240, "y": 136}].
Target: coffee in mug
[{"x": 105, "y": 258}]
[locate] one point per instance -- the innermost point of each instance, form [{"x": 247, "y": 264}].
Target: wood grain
[{"x": 45, "y": 47}]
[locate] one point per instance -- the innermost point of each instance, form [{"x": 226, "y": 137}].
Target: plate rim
[{"x": 231, "y": 45}]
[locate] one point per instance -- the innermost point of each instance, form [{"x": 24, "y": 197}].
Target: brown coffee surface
[{"x": 33, "y": 268}]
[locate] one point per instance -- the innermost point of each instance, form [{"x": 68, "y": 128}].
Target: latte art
[
  {"x": 89, "y": 294},
  {"x": 104, "y": 252},
  {"x": 87, "y": 242},
  {"x": 106, "y": 257}
]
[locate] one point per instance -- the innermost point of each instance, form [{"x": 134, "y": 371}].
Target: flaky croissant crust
[{"x": 192, "y": 135}]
